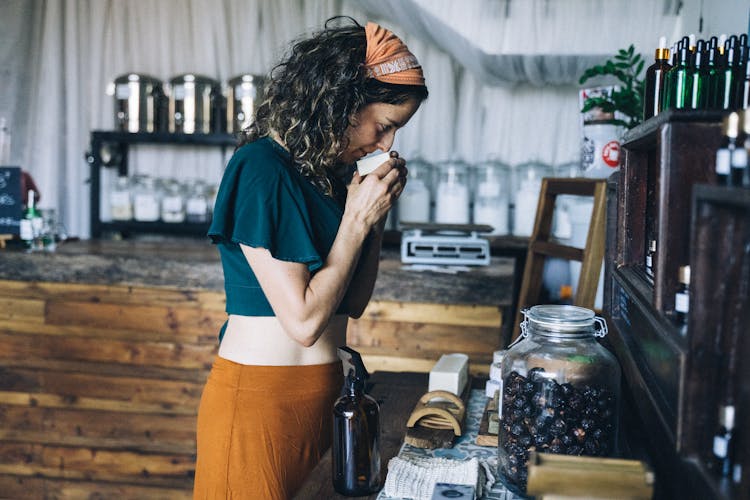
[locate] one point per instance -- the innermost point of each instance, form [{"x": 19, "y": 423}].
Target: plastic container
[{"x": 561, "y": 391}]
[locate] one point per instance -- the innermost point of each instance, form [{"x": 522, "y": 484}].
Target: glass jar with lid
[
  {"x": 173, "y": 202},
  {"x": 196, "y": 207},
  {"x": 560, "y": 391},
  {"x": 491, "y": 197},
  {"x": 145, "y": 199},
  {"x": 452, "y": 194},
  {"x": 415, "y": 202},
  {"x": 121, "y": 200},
  {"x": 526, "y": 196}
]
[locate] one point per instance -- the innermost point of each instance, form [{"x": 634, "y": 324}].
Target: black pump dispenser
[{"x": 356, "y": 431}]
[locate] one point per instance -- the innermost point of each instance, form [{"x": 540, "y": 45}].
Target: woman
[{"x": 300, "y": 251}]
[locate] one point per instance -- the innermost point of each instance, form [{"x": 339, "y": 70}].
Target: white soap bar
[
  {"x": 367, "y": 165},
  {"x": 491, "y": 387},
  {"x": 496, "y": 372},
  {"x": 450, "y": 373},
  {"x": 497, "y": 356}
]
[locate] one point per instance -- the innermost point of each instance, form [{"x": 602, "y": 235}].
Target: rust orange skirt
[{"x": 262, "y": 429}]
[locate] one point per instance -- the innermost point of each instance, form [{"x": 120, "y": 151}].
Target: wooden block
[
  {"x": 489, "y": 424},
  {"x": 588, "y": 477},
  {"x": 435, "y": 437}
]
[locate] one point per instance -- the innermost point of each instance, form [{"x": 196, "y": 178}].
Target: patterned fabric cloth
[{"x": 465, "y": 448}]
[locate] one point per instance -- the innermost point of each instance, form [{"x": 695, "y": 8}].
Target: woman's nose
[{"x": 386, "y": 142}]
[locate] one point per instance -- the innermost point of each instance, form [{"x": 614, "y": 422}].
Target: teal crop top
[{"x": 263, "y": 201}]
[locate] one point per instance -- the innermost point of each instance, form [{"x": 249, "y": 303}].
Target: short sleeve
[{"x": 260, "y": 204}]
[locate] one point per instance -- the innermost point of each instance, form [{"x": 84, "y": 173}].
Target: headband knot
[{"x": 389, "y": 60}]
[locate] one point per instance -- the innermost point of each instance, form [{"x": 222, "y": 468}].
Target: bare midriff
[{"x": 261, "y": 340}]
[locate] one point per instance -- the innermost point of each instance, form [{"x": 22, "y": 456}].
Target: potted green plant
[
  {"x": 624, "y": 103},
  {"x": 608, "y": 111}
]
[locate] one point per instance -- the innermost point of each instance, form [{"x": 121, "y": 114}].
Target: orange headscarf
[{"x": 388, "y": 59}]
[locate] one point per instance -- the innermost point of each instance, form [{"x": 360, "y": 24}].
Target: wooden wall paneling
[
  {"x": 15, "y": 487},
  {"x": 146, "y": 469},
  {"x": 101, "y": 391}
]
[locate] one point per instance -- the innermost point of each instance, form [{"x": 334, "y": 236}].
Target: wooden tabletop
[{"x": 396, "y": 393}]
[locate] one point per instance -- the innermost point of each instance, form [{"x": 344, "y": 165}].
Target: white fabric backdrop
[{"x": 501, "y": 73}]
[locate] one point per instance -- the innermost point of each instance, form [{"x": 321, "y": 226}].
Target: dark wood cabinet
[{"x": 677, "y": 375}]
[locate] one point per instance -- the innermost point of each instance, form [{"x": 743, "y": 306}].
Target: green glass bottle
[
  {"x": 741, "y": 73},
  {"x": 697, "y": 78},
  {"x": 728, "y": 76},
  {"x": 679, "y": 92},
  {"x": 712, "y": 87}
]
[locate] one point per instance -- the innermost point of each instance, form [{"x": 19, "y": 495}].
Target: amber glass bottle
[{"x": 655, "y": 75}]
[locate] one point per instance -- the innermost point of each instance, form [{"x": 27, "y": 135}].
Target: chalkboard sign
[{"x": 11, "y": 202}]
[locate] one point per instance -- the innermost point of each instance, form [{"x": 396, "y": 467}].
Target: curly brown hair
[{"x": 311, "y": 96}]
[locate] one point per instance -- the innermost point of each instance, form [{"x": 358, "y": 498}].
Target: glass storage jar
[
  {"x": 196, "y": 206},
  {"x": 491, "y": 197},
  {"x": 560, "y": 391},
  {"x": 452, "y": 194},
  {"x": 121, "y": 200},
  {"x": 173, "y": 202},
  {"x": 414, "y": 203},
  {"x": 146, "y": 198}
]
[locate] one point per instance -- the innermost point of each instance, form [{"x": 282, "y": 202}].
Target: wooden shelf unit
[{"x": 672, "y": 372}]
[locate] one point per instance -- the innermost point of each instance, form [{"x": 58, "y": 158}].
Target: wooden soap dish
[{"x": 436, "y": 420}]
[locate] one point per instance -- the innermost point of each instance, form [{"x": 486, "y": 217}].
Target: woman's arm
[
  {"x": 304, "y": 303},
  {"x": 363, "y": 282}
]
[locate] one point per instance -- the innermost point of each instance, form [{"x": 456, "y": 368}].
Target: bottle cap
[
  {"x": 684, "y": 275},
  {"x": 726, "y": 417},
  {"x": 730, "y": 125}
]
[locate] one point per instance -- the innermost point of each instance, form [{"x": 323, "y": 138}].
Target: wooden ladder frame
[{"x": 540, "y": 246}]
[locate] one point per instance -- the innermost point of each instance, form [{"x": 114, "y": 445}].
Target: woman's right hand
[{"x": 370, "y": 197}]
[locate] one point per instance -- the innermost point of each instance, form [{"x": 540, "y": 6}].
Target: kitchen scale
[{"x": 445, "y": 244}]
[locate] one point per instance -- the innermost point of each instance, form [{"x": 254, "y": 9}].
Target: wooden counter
[{"x": 105, "y": 347}]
